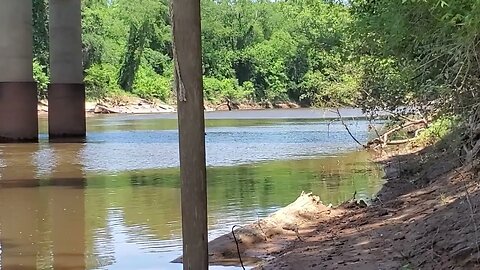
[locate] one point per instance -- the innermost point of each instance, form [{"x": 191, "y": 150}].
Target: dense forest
[
  {"x": 375, "y": 54},
  {"x": 252, "y": 50}
]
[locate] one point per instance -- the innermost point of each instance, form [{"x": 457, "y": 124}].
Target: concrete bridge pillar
[
  {"x": 18, "y": 91},
  {"x": 66, "y": 93}
]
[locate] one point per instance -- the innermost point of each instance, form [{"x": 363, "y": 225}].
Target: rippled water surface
[{"x": 113, "y": 201}]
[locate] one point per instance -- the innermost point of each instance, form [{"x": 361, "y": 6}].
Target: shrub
[
  {"x": 216, "y": 90},
  {"x": 41, "y": 78},
  {"x": 150, "y": 85},
  {"x": 100, "y": 81},
  {"x": 437, "y": 130}
]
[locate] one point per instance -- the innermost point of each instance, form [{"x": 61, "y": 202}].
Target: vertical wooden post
[{"x": 189, "y": 86}]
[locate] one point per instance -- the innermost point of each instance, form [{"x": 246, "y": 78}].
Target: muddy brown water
[{"x": 113, "y": 201}]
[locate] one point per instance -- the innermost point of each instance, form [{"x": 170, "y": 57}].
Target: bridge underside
[{"x": 18, "y": 90}]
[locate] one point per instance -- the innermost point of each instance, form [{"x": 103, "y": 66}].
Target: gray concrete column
[
  {"x": 66, "y": 93},
  {"x": 18, "y": 91}
]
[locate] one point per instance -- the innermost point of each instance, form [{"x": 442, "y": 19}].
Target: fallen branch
[
  {"x": 405, "y": 125},
  {"x": 398, "y": 142},
  {"x": 257, "y": 241},
  {"x": 104, "y": 109},
  {"x": 383, "y": 139}
]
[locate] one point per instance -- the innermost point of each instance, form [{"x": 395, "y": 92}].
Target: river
[{"x": 113, "y": 201}]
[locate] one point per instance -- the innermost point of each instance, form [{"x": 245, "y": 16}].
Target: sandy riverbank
[
  {"x": 425, "y": 217},
  {"x": 133, "y": 105}
]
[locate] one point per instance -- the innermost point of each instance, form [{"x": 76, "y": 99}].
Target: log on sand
[
  {"x": 260, "y": 240},
  {"x": 102, "y": 109}
]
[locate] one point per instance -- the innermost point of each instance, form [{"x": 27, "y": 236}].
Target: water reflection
[
  {"x": 42, "y": 228},
  {"x": 61, "y": 209}
]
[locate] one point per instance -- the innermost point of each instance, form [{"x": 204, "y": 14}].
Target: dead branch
[
  {"x": 405, "y": 125},
  {"x": 384, "y": 141},
  {"x": 104, "y": 109},
  {"x": 398, "y": 142},
  {"x": 348, "y": 130}
]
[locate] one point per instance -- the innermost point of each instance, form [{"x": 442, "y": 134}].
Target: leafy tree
[
  {"x": 40, "y": 32},
  {"x": 419, "y": 53}
]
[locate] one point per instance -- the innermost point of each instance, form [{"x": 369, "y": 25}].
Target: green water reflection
[{"x": 152, "y": 198}]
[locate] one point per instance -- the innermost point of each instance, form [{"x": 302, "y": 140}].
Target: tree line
[
  {"x": 252, "y": 50},
  {"x": 375, "y": 54}
]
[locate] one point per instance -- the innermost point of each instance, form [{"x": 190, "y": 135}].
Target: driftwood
[
  {"x": 102, "y": 109},
  {"x": 257, "y": 241},
  {"x": 383, "y": 139}
]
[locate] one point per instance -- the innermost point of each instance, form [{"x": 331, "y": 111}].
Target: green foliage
[
  {"x": 252, "y": 50},
  {"x": 422, "y": 53},
  {"x": 383, "y": 54},
  {"x": 41, "y": 78},
  {"x": 437, "y": 130},
  {"x": 216, "y": 90},
  {"x": 150, "y": 85},
  {"x": 93, "y": 32},
  {"x": 386, "y": 85},
  {"x": 100, "y": 80},
  {"x": 331, "y": 88},
  {"x": 288, "y": 50},
  {"x": 40, "y": 32}
]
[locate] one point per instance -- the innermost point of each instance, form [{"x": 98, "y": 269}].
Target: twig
[
  {"x": 238, "y": 249},
  {"x": 298, "y": 234},
  {"x": 354, "y": 196},
  {"x": 372, "y": 125},
  {"x": 348, "y": 130}
]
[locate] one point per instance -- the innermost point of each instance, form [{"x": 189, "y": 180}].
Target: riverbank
[
  {"x": 135, "y": 105},
  {"x": 425, "y": 217}
]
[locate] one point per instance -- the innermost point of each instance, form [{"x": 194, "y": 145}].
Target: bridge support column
[
  {"x": 18, "y": 91},
  {"x": 66, "y": 93}
]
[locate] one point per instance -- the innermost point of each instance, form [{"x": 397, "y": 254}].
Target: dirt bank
[{"x": 425, "y": 217}]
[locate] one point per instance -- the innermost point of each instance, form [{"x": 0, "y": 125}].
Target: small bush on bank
[
  {"x": 217, "y": 90},
  {"x": 41, "y": 78},
  {"x": 150, "y": 85},
  {"x": 437, "y": 130},
  {"x": 101, "y": 81}
]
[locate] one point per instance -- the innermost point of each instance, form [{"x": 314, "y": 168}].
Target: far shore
[{"x": 141, "y": 106}]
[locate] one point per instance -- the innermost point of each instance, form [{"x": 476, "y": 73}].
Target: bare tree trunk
[{"x": 189, "y": 86}]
